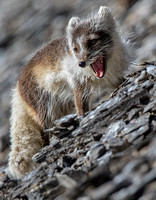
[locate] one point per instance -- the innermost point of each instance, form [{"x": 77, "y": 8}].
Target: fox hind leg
[{"x": 26, "y": 139}]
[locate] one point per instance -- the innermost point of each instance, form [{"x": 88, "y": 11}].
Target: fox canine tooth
[{"x": 101, "y": 61}]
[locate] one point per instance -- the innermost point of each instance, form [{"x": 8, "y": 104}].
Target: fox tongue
[{"x": 98, "y": 68}]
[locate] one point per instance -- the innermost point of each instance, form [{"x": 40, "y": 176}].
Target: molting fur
[{"x": 63, "y": 78}]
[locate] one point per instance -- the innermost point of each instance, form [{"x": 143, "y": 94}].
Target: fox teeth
[{"x": 101, "y": 61}]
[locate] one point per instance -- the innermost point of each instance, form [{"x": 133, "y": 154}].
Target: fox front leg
[{"x": 81, "y": 100}]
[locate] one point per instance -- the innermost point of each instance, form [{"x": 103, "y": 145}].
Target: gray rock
[
  {"x": 96, "y": 151},
  {"x": 151, "y": 70}
]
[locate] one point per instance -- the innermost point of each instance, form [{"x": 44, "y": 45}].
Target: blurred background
[{"x": 25, "y": 26}]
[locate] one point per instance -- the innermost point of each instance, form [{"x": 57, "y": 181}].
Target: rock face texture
[{"x": 110, "y": 153}]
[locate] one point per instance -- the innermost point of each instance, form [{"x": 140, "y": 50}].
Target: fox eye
[
  {"x": 75, "y": 49},
  {"x": 92, "y": 42}
]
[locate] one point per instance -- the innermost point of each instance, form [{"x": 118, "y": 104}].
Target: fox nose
[{"x": 82, "y": 64}]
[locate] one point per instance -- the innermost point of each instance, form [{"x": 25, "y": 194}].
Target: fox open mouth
[{"x": 99, "y": 67}]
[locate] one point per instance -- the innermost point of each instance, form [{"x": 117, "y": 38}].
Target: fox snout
[{"x": 82, "y": 63}]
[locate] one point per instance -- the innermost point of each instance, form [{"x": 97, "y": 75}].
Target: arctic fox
[{"x": 62, "y": 78}]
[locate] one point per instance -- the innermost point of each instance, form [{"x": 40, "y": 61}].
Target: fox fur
[{"x": 59, "y": 80}]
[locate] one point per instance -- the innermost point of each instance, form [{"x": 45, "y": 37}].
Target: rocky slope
[{"x": 110, "y": 153}]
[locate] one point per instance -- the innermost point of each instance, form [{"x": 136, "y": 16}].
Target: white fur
[
  {"x": 53, "y": 88},
  {"x": 103, "y": 12},
  {"x": 75, "y": 73},
  {"x": 79, "y": 42},
  {"x": 73, "y": 22}
]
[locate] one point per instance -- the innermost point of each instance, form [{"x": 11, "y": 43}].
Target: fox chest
[{"x": 56, "y": 99}]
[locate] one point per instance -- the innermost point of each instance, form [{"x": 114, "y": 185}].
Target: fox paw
[{"x": 20, "y": 164}]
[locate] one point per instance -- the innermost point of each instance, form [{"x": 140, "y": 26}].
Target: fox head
[{"x": 91, "y": 40}]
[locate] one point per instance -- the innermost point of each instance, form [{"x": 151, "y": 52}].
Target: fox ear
[
  {"x": 104, "y": 12},
  {"x": 73, "y": 22}
]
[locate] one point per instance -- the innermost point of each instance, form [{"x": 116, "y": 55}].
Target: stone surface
[{"x": 113, "y": 157}]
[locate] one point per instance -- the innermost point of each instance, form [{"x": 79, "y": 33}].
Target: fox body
[{"x": 62, "y": 78}]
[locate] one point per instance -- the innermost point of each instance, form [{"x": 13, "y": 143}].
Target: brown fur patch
[
  {"x": 81, "y": 102},
  {"x": 43, "y": 62}
]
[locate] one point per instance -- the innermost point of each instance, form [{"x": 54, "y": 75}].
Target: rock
[
  {"x": 96, "y": 151},
  {"x": 151, "y": 70},
  {"x": 111, "y": 157},
  {"x": 66, "y": 120}
]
